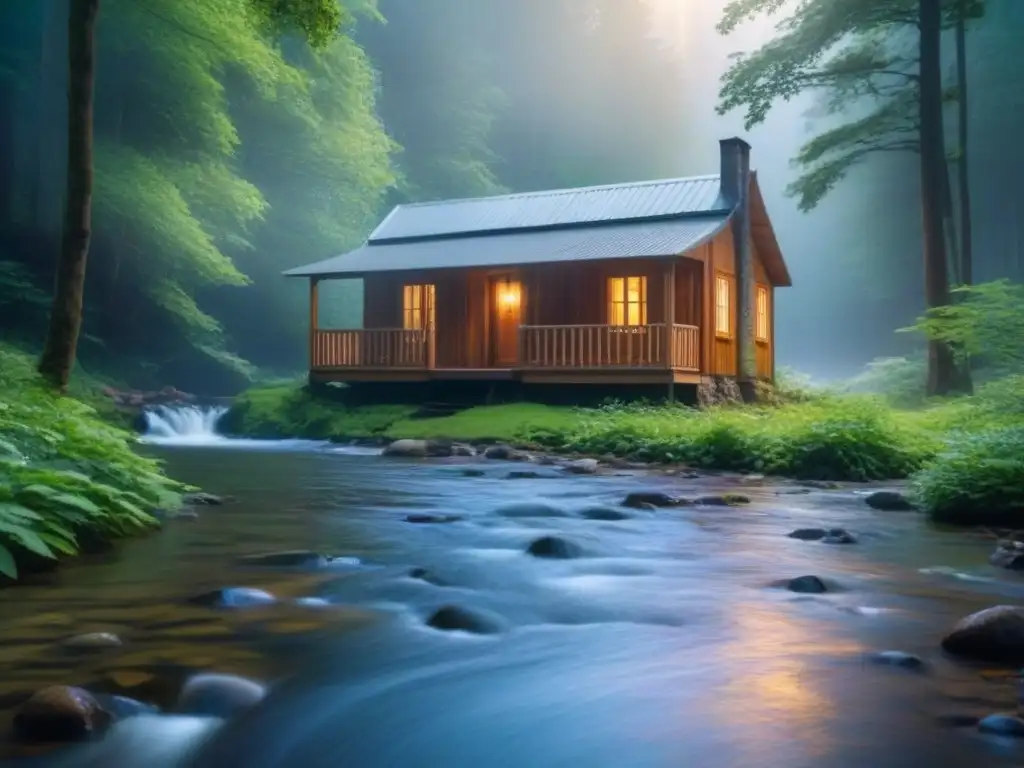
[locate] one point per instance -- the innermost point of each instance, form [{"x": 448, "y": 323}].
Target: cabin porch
[{"x": 614, "y": 322}]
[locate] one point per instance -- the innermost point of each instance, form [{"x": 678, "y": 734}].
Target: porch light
[{"x": 509, "y": 296}]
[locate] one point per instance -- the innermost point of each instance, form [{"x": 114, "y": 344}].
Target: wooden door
[{"x": 506, "y": 317}]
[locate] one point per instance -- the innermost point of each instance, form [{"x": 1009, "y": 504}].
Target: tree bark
[
  {"x": 941, "y": 364},
  {"x": 963, "y": 169},
  {"x": 58, "y": 356}
]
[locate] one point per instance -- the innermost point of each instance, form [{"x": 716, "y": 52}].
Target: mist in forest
[{"x": 223, "y": 159}]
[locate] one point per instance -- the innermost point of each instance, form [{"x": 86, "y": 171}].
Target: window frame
[
  {"x": 418, "y": 301},
  {"x": 762, "y": 320},
  {"x": 726, "y": 280},
  {"x": 619, "y": 284}
]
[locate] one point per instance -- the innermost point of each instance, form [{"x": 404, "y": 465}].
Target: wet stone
[
  {"x": 291, "y": 558},
  {"x": 1002, "y": 725},
  {"x": 899, "y": 659},
  {"x": 522, "y": 474},
  {"x": 93, "y": 641},
  {"x": 995, "y": 634},
  {"x": 582, "y": 467},
  {"x": 200, "y": 499},
  {"x": 215, "y": 695},
  {"x": 839, "y": 536},
  {"x": 122, "y": 707},
  {"x": 234, "y": 597},
  {"x": 59, "y": 714},
  {"x": 422, "y": 574},
  {"x": 505, "y": 453},
  {"x": 473, "y": 473},
  {"x": 807, "y": 585},
  {"x": 607, "y": 514},
  {"x": 451, "y": 618},
  {"x": 808, "y": 534},
  {"x": 652, "y": 498},
  {"x": 530, "y": 509},
  {"x": 1009, "y": 555},
  {"x": 428, "y": 519},
  {"x": 408, "y": 449},
  {"x": 554, "y": 548},
  {"x": 888, "y": 501}
]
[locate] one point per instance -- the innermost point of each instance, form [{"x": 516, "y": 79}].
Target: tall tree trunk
[
  {"x": 941, "y": 364},
  {"x": 963, "y": 169},
  {"x": 66, "y": 314}
]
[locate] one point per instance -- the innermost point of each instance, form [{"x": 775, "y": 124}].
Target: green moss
[
  {"x": 66, "y": 476},
  {"x": 964, "y": 455}
]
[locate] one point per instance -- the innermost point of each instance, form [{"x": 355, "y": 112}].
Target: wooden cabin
[{"x": 657, "y": 282}]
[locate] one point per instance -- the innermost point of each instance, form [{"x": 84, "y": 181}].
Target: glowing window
[
  {"x": 761, "y": 319},
  {"x": 417, "y": 307},
  {"x": 723, "y": 306},
  {"x": 627, "y": 301}
]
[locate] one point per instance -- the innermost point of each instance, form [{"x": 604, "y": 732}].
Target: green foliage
[
  {"x": 978, "y": 479},
  {"x": 852, "y": 54},
  {"x": 289, "y": 410},
  {"x": 987, "y": 323},
  {"x": 66, "y": 475}
]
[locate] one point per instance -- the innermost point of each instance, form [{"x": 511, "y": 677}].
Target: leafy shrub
[
  {"x": 977, "y": 480},
  {"x": 64, "y": 473}
]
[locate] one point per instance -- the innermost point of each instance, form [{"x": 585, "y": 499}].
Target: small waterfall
[{"x": 183, "y": 424}]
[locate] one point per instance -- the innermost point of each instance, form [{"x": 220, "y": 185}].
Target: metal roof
[
  {"x": 553, "y": 208},
  {"x": 631, "y": 239}
]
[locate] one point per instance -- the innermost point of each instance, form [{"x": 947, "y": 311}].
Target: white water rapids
[{"x": 183, "y": 425}]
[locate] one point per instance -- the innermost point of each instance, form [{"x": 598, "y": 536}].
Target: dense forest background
[{"x": 224, "y": 158}]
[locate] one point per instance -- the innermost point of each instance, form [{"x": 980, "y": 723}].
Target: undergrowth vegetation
[{"x": 68, "y": 479}]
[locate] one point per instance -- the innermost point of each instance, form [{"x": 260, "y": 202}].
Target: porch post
[
  {"x": 430, "y": 310},
  {"x": 314, "y": 318},
  {"x": 669, "y": 288}
]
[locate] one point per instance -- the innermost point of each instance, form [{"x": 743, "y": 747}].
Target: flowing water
[{"x": 665, "y": 644}]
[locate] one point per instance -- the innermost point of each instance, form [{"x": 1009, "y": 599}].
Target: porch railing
[
  {"x": 371, "y": 348},
  {"x": 609, "y": 346}
]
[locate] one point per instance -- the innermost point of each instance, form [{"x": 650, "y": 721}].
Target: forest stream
[{"x": 665, "y": 642}]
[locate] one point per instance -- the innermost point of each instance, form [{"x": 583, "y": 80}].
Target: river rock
[
  {"x": 607, "y": 514},
  {"x": 522, "y": 474},
  {"x": 898, "y": 659},
  {"x": 426, "y": 519},
  {"x": 59, "y": 714},
  {"x": 122, "y": 707},
  {"x": 807, "y": 585},
  {"x": 451, "y": 618},
  {"x": 214, "y": 695},
  {"x": 1009, "y": 555},
  {"x": 530, "y": 509},
  {"x": 653, "y": 498},
  {"x": 201, "y": 499},
  {"x": 407, "y": 449},
  {"x": 582, "y": 467},
  {"x": 288, "y": 558},
  {"x": 553, "y": 548},
  {"x": 505, "y": 453},
  {"x": 473, "y": 473},
  {"x": 808, "y": 534},
  {"x": 422, "y": 574},
  {"x": 888, "y": 501},
  {"x": 995, "y": 634},
  {"x": 839, "y": 536},
  {"x": 234, "y": 597},
  {"x": 725, "y": 500},
  {"x": 1002, "y": 725},
  {"x": 93, "y": 641}
]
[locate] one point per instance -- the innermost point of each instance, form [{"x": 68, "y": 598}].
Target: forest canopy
[{"x": 229, "y": 149}]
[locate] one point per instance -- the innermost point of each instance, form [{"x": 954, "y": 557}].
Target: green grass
[
  {"x": 68, "y": 478},
  {"x": 965, "y": 457}
]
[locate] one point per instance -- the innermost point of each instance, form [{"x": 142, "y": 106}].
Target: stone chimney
[{"x": 735, "y": 181}]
